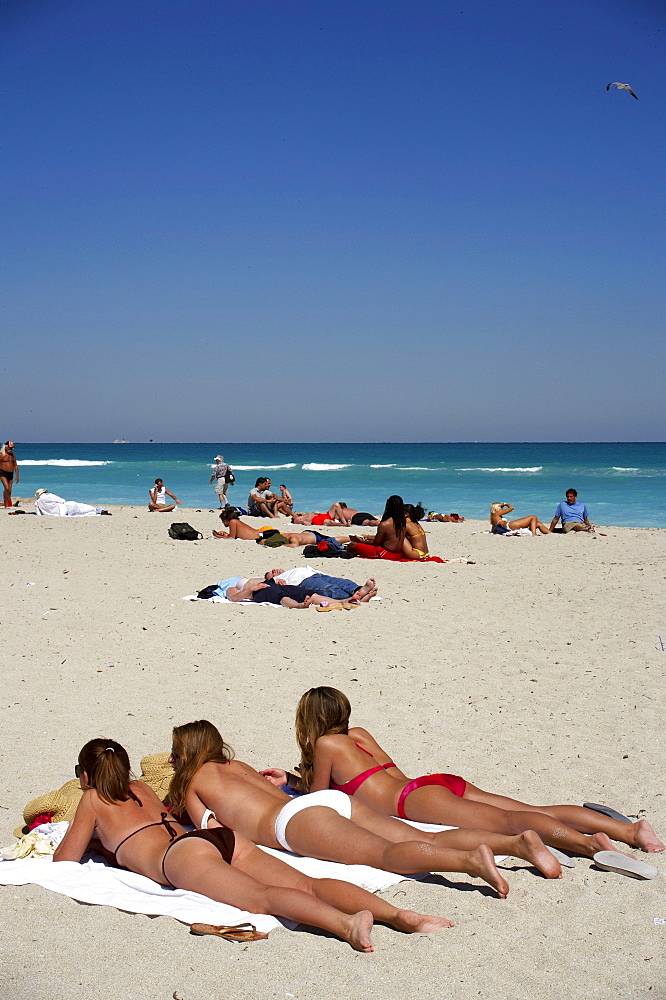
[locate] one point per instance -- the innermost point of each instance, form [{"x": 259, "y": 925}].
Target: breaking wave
[
  {"x": 320, "y": 467},
  {"x": 60, "y": 461},
  {"x": 261, "y": 468},
  {"x": 532, "y": 468}
]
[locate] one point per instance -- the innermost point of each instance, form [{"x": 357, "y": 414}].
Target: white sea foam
[
  {"x": 258, "y": 468},
  {"x": 60, "y": 461},
  {"x": 620, "y": 468},
  {"x": 479, "y": 468},
  {"x": 416, "y": 468},
  {"x": 391, "y": 465},
  {"x": 320, "y": 467}
]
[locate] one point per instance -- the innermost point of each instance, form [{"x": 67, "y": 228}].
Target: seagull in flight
[{"x": 622, "y": 86}]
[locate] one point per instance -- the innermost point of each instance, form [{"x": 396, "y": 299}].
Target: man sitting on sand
[
  {"x": 263, "y": 503},
  {"x": 158, "y": 495},
  {"x": 572, "y": 514}
]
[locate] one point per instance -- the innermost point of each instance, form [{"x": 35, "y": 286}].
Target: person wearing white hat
[
  {"x": 222, "y": 475},
  {"x": 50, "y": 504}
]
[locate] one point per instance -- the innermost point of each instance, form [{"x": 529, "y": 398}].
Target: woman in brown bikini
[{"x": 132, "y": 824}]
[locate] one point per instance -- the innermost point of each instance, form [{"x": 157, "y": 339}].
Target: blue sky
[{"x": 298, "y": 220}]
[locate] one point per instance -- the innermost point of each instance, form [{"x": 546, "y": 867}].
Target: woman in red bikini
[
  {"x": 132, "y": 825},
  {"x": 351, "y": 761}
]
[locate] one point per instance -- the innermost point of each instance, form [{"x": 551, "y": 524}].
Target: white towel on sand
[{"x": 95, "y": 882}]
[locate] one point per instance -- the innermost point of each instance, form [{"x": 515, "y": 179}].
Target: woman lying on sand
[
  {"x": 499, "y": 525},
  {"x": 131, "y": 823},
  {"x": 334, "y": 756},
  {"x": 329, "y": 825}
]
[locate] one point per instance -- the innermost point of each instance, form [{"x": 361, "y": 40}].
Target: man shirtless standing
[{"x": 8, "y": 469}]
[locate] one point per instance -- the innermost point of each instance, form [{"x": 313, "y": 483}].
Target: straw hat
[
  {"x": 157, "y": 772},
  {"x": 61, "y": 804},
  {"x": 38, "y": 493}
]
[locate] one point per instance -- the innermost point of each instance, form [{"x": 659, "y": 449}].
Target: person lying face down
[
  {"x": 133, "y": 826},
  {"x": 349, "y": 759},
  {"x": 327, "y": 825}
]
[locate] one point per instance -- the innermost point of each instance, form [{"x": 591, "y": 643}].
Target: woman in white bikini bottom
[{"x": 328, "y": 798}]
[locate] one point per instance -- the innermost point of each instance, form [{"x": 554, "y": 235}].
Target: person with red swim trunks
[
  {"x": 389, "y": 539},
  {"x": 351, "y": 761}
]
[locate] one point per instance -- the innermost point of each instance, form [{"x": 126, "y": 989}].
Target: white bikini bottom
[{"x": 328, "y": 798}]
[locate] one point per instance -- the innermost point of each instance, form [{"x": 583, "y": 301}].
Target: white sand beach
[{"x": 536, "y": 672}]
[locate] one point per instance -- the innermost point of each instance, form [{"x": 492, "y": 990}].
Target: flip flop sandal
[
  {"x": 606, "y": 811},
  {"x": 613, "y": 861},
  {"x": 563, "y": 859},
  {"x": 238, "y": 932}
]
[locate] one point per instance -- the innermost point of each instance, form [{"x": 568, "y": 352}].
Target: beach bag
[
  {"x": 184, "y": 531},
  {"x": 322, "y": 549},
  {"x": 229, "y": 477}
]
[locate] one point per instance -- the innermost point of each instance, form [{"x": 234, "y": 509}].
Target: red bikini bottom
[{"x": 453, "y": 782}]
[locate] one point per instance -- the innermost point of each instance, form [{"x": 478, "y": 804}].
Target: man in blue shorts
[{"x": 572, "y": 514}]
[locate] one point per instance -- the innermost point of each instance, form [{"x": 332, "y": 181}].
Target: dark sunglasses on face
[{"x": 78, "y": 770}]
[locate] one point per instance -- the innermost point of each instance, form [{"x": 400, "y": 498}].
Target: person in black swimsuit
[{"x": 132, "y": 824}]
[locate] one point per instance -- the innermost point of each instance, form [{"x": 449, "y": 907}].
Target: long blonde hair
[
  {"x": 195, "y": 744},
  {"x": 320, "y": 712},
  {"x": 495, "y": 507}
]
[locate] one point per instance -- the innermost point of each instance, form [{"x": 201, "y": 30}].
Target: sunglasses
[
  {"x": 174, "y": 754},
  {"x": 78, "y": 770}
]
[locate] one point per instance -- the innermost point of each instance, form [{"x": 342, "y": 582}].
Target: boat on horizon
[{"x": 120, "y": 441}]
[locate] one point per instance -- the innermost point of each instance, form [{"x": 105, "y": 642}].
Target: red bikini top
[{"x": 352, "y": 786}]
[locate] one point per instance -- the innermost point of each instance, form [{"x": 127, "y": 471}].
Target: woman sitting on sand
[
  {"x": 388, "y": 541},
  {"x": 212, "y": 786},
  {"x": 334, "y": 756},
  {"x": 415, "y": 545},
  {"x": 230, "y": 518},
  {"x": 500, "y": 526},
  {"x": 130, "y": 821}
]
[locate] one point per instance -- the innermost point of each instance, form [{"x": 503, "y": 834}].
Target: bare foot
[
  {"x": 307, "y": 602},
  {"x": 530, "y": 847},
  {"x": 366, "y": 592},
  {"x": 646, "y": 838},
  {"x": 410, "y": 922},
  {"x": 482, "y": 865},
  {"x": 358, "y": 931},
  {"x": 602, "y": 842}
]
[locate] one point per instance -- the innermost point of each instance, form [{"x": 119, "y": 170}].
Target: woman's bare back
[{"x": 241, "y": 798}]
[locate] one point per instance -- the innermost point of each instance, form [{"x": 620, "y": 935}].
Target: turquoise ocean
[{"x": 621, "y": 483}]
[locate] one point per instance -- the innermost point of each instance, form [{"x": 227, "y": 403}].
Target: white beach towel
[{"x": 96, "y": 883}]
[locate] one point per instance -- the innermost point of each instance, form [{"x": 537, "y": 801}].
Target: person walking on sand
[
  {"x": 572, "y": 514},
  {"x": 222, "y": 475},
  {"x": 158, "y": 495},
  {"x": 9, "y": 471}
]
